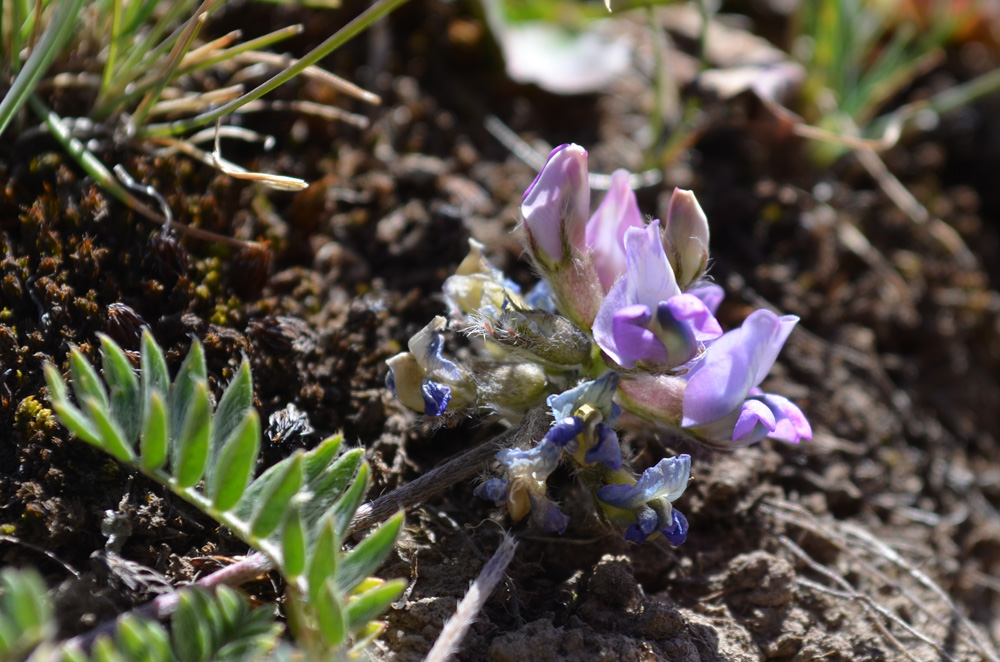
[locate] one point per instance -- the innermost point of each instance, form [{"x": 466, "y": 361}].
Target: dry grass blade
[
  {"x": 277, "y": 182},
  {"x": 315, "y": 73},
  {"x": 321, "y": 110}
]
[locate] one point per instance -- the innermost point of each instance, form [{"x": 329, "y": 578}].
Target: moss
[{"x": 31, "y": 417}]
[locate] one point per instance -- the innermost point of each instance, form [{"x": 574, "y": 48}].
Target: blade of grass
[
  {"x": 189, "y": 65},
  {"x": 194, "y": 25},
  {"x": 116, "y": 37},
  {"x": 56, "y": 34},
  {"x": 356, "y": 26}
]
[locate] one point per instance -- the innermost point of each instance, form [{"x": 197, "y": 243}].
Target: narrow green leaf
[
  {"x": 85, "y": 379},
  {"x": 319, "y": 458},
  {"x": 111, "y": 436},
  {"x": 273, "y": 502},
  {"x": 232, "y": 410},
  {"x": 153, "y": 367},
  {"x": 369, "y": 553},
  {"x": 370, "y": 604},
  {"x": 153, "y": 445},
  {"x": 126, "y": 404},
  {"x": 323, "y": 558},
  {"x": 72, "y": 654},
  {"x": 293, "y": 545},
  {"x": 228, "y": 482},
  {"x": 54, "y": 380},
  {"x": 192, "y": 443},
  {"x": 231, "y": 606},
  {"x": 8, "y": 637},
  {"x": 348, "y": 504},
  {"x": 104, "y": 650},
  {"x": 329, "y": 486},
  {"x": 329, "y": 615},
  {"x": 191, "y": 373},
  {"x": 191, "y": 637},
  {"x": 77, "y": 422},
  {"x": 141, "y": 640},
  {"x": 23, "y": 598}
]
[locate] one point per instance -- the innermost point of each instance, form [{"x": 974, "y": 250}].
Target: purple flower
[
  {"x": 715, "y": 399},
  {"x": 605, "y": 234},
  {"x": 665, "y": 480},
  {"x": 556, "y": 206},
  {"x": 645, "y": 317},
  {"x": 651, "y": 501},
  {"x": 565, "y": 431},
  {"x": 605, "y": 449},
  {"x": 597, "y": 393}
]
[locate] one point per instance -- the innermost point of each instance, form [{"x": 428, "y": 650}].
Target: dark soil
[{"x": 878, "y": 540}]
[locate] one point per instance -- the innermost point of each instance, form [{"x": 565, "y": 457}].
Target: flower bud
[
  {"x": 556, "y": 205},
  {"x": 685, "y": 237}
]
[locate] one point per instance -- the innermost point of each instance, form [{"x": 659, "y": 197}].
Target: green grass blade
[
  {"x": 367, "y": 606},
  {"x": 233, "y": 408},
  {"x": 369, "y": 553},
  {"x": 360, "y": 23},
  {"x": 273, "y": 503},
  {"x": 228, "y": 480},
  {"x": 55, "y": 36},
  {"x": 153, "y": 445},
  {"x": 192, "y": 443},
  {"x": 126, "y": 405}
]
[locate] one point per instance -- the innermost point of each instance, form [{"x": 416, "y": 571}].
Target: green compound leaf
[
  {"x": 192, "y": 372},
  {"x": 192, "y": 444},
  {"x": 369, "y": 604},
  {"x": 86, "y": 383},
  {"x": 368, "y": 554},
  {"x": 233, "y": 408},
  {"x": 234, "y": 466},
  {"x": 125, "y": 395},
  {"x": 330, "y": 614},
  {"x": 273, "y": 502},
  {"x": 153, "y": 445}
]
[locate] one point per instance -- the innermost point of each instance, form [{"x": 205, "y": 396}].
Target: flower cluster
[{"x": 620, "y": 331}]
